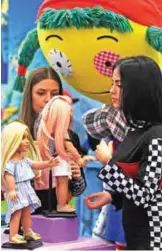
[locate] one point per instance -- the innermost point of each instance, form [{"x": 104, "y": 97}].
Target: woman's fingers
[{"x": 92, "y": 196}]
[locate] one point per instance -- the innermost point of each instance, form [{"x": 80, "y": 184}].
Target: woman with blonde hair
[{"x": 19, "y": 157}]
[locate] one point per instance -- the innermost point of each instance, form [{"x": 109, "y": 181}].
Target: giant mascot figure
[{"x": 82, "y": 39}]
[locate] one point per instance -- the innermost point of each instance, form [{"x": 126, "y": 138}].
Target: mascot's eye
[
  {"x": 104, "y": 62},
  {"x": 60, "y": 62}
]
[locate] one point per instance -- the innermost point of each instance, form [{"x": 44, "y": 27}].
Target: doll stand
[
  {"x": 54, "y": 230},
  {"x": 56, "y": 214},
  {"x": 52, "y": 213},
  {"x": 29, "y": 245}
]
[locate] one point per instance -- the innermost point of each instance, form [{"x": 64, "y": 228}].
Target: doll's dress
[
  {"x": 23, "y": 174},
  {"x": 63, "y": 168}
]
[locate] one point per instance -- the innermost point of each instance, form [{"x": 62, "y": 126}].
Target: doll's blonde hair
[
  {"x": 11, "y": 139},
  {"x": 54, "y": 125}
]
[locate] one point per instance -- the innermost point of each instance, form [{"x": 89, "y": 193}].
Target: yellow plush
[{"x": 83, "y": 39}]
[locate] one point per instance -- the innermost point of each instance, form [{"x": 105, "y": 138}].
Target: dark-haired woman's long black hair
[{"x": 141, "y": 83}]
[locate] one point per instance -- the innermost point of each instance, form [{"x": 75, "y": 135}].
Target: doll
[
  {"x": 18, "y": 153},
  {"x": 53, "y": 139}
]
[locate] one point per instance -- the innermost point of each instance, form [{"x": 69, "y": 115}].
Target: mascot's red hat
[{"x": 145, "y": 12}]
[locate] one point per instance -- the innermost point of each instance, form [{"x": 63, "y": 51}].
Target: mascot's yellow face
[{"x": 84, "y": 57}]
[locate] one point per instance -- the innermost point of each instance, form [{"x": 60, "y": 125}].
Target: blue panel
[{"x": 4, "y": 71}]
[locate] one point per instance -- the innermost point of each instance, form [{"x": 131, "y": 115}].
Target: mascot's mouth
[{"x": 93, "y": 92}]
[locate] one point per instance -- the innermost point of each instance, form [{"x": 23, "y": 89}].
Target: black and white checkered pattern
[
  {"x": 103, "y": 122},
  {"x": 149, "y": 195},
  {"x": 155, "y": 222}
]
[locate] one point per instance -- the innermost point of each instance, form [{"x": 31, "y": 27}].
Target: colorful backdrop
[{"x": 18, "y": 17}]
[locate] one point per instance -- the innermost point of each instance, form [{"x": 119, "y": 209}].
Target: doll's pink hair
[{"x": 55, "y": 122}]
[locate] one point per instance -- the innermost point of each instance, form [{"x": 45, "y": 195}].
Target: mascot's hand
[
  {"x": 104, "y": 152},
  {"x": 97, "y": 200}
]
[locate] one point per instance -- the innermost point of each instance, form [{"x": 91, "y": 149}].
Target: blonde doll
[
  {"x": 52, "y": 139},
  {"x": 18, "y": 153}
]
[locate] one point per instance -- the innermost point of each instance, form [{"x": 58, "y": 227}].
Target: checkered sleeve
[
  {"x": 77, "y": 186},
  {"x": 103, "y": 122},
  {"x": 140, "y": 194}
]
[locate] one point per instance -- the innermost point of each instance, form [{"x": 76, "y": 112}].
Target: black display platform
[
  {"x": 55, "y": 214},
  {"x": 29, "y": 245}
]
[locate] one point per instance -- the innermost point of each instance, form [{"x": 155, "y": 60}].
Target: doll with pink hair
[{"x": 53, "y": 139}]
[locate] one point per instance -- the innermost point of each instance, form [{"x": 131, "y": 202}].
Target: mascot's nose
[
  {"x": 104, "y": 62},
  {"x": 60, "y": 62}
]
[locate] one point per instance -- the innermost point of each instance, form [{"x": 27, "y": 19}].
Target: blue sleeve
[
  {"x": 10, "y": 168},
  {"x": 29, "y": 161}
]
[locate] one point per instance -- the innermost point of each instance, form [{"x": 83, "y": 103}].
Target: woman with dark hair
[
  {"x": 41, "y": 85},
  {"x": 134, "y": 172}
]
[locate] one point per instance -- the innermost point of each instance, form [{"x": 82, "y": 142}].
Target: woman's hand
[
  {"x": 81, "y": 162},
  {"x": 97, "y": 200},
  {"x": 12, "y": 195},
  {"x": 104, "y": 152},
  {"x": 75, "y": 169}
]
